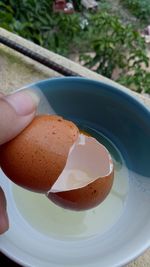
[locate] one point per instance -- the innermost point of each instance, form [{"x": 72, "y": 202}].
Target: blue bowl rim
[{"x": 118, "y": 89}]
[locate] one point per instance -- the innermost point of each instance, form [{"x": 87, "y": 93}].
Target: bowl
[{"x": 118, "y": 230}]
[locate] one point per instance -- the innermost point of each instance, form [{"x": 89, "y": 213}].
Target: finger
[
  {"x": 4, "y": 223},
  {"x": 16, "y": 112}
]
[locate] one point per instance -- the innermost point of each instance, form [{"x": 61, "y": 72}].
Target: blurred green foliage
[
  {"x": 110, "y": 44},
  {"x": 35, "y": 20},
  {"x": 118, "y": 47},
  {"x": 139, "y": 8}
]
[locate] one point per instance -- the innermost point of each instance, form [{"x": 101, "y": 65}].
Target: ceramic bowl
[{"x": 117, "y": 231}]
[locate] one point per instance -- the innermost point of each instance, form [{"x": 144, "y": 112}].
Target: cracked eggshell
[
  {"x": 86, "y": 197},
  {"x": 37, "y": 156},
  {"x": 87, "y": 177}
]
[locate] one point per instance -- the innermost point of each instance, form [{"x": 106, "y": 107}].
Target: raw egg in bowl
[{"x": 56, "y": 229}]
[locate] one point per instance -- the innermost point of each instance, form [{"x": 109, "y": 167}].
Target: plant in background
[
  {"x": 36, "y": 21},
  {"x": 139, "y": 8},
  {"x": 110, "y": 44},
  {"x": 120, "y": 47},
  {"x": 140, "y": 81}
]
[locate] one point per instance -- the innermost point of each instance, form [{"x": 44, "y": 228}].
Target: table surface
[{"x": 17, "y": 71}]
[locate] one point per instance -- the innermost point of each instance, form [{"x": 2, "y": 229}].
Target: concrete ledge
[{"x": 58, "y": 59}]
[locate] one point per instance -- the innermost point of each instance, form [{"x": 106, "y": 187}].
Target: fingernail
[{"x": 23, "y": 102}]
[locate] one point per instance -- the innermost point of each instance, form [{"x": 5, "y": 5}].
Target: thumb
[{"x": 16, "y": 112}]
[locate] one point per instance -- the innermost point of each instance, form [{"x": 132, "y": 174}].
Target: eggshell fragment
[
  {"x": 36, "y": 157},
  {"x": 87, "y": 177}
]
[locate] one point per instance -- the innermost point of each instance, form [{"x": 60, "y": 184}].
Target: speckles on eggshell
[{"x": 36, "y": 157}]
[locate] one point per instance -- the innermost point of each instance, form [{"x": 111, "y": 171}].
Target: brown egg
[
  {"x": 74, "y": 170},
  {"x": 36, "y": 157},
  {"x": 86, "y": 197}
]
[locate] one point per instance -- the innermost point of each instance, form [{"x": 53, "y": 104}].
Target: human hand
[{"x": 16, "y": 112}]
